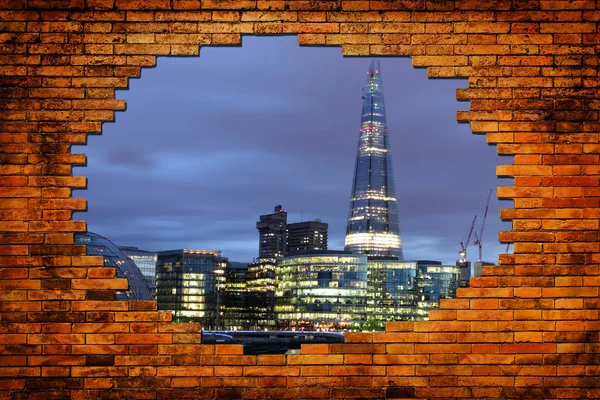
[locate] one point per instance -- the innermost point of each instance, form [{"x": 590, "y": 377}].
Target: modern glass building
[
  {"x": 321, "y": 291},
  {"x": 189, "y": 283},
  {"x": 272, "y": 234},
  {"x": 373, "y": 227},
  {"x": 97, "y": 245},
  {"x": 440, "y": 280},
  {"x": 146, "y": 262},
  {"x": 391, "y": 290},
  {"x": 233, "y": 306},
  {"x": 260, "y": 299}
]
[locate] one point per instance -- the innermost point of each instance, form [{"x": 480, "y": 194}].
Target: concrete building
[
  {"x": 306, "y": 237},
  {"x": 272, "y": 232}
]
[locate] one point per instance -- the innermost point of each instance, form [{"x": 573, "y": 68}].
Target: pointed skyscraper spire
[{"x": 373, "y": 218}]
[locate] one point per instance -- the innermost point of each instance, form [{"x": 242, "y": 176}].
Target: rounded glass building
[
  {"x": 97, "y": 245},
  {"x": 321, "y": 291}
]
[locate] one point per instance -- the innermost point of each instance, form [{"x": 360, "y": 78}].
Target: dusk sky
[{"x": 209, "y": 143}]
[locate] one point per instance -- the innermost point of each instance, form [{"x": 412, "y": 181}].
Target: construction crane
[
  {"x": 479, "y": 237},
  {"x": 464, "y": 243}
]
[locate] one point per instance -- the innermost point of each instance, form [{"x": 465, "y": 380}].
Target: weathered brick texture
[{"x": 528, "y": 328}]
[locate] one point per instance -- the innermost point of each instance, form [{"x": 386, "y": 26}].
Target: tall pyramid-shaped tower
[{"x": 373, "y": 227}]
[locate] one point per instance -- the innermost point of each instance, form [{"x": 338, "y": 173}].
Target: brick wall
[{"x": 527, "y": 329}]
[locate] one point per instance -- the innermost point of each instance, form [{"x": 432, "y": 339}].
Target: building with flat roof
[
  {"x": 189, "y": 283},
  {"x": 321, "y": 291},
  {"x": 260, "y": 299},
  {"x": 233, "y": 307},
  {"x": 391, "y": 290},
  {"x": 435, "y": 282},
  {"x": 306, "y": 237}
]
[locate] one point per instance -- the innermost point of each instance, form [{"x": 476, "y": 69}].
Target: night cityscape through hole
[{"x": 210, "y": 144}]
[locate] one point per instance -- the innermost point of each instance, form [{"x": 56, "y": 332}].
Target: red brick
[{"x": 532, "y": 82}]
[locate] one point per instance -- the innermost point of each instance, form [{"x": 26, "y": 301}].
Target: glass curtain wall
[
  {"x": 321, "y": 291},
  {"x": 373, "y": 227},
  {"x": 97, "y": 245}
]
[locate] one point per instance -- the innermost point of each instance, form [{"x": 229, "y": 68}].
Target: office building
[
  {"x": 321, "y": 291},
  {"x": 146, "y": 263},
  {"x": 306, "y": 237},
  {"x": 189, "y": 283},
  {"x": 435, "y": 282},
  {"x": 464, "y": 273},
  {"x": 272, "y": 232},
  {"x": 478, "y": 267},
  {"x": 233, "y": 308},
  {"x": 373, "y": 227},
  {"x": 260, "y": 298},
  {"x": 97, "y": 245},
  {"x": 391, "y": 287}
]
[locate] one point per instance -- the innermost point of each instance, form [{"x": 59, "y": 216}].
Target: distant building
[
  {"x": 233, "y": 307},
  {"x": 146, "y": 262},
  {"x": 189, "y": 283},
  {"x": 407, "y": 290},
  {"x": 305, "y": 237},
  {"x": 260, "y": 299},
  {"x": 435, "y": 282},
  {"x": 97, "y": 245},
  {"x": 391, "y": 290},
  {"x": 272, "y": 232},
  {"x": 478, "y": 267},
  {"x": 321, "y": 291},
  {"x": 464, "y": 273}
]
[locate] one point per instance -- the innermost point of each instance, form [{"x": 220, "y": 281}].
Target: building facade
[
  {"x": 321, "y": 291},
  {"x": 233, "y": 307},
  {"x": 272, "y": 234},
  {"x": 97, "y": 245},
  {"x": 391, "y": 287},
  {"x": 260, "y": 299},
  {"x": 189, "y": 283},
  {"x": 464, "y": 271},
  {"x": 146, "y": 263},
  {"x": 373, "y": 227},
  {"x": 305, "y": 237},
  {"x": 435, "y": 282}
]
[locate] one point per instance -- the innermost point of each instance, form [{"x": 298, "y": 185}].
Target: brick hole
[
  {"x": 126, "y": 156},
  {"x": 551, "y": 282}
]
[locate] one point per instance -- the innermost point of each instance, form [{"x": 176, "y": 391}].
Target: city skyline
[{"x": 196, "y": 190}]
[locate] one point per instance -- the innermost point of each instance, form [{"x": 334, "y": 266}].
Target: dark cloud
[
  {"x": 128, "y": 158},
  {"x": 208, "y": 144}
]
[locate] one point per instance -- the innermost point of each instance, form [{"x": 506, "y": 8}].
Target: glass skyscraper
[{"x": 373, "y": 227}]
